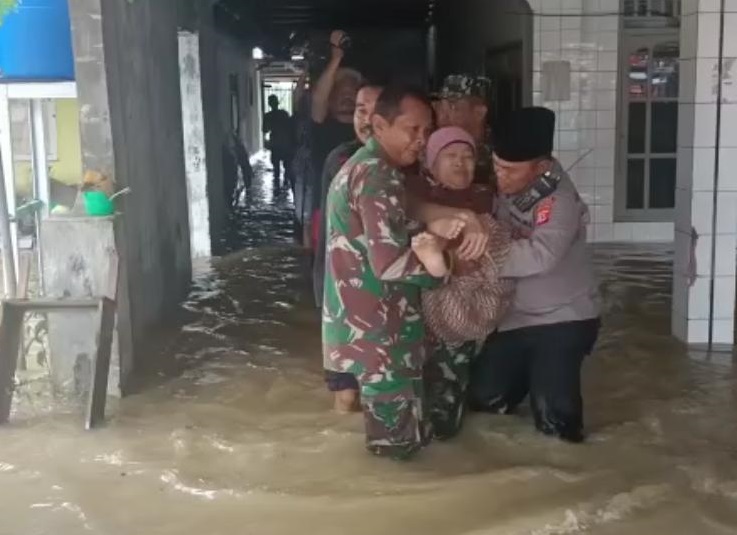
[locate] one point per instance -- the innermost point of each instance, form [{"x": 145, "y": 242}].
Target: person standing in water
[
  {"x": 333, "y": 105},
  {"x": 278, "y": 124},
  {"x": 553, "y": 322},
  {"x": 464, "y": 311},
  {"x": 344, "y": 385},
  {"x": 372, "y": 325}
]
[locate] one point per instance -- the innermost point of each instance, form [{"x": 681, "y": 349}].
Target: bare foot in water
[{"x": 347, "y": 401}]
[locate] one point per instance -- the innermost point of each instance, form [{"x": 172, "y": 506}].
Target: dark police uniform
[{"x": 553, "y": 322}]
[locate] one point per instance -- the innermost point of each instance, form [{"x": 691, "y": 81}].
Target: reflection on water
[{"x": 242, "y": 440}]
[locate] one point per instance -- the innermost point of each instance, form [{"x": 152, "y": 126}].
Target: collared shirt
[{"x": 549, "y": 259}]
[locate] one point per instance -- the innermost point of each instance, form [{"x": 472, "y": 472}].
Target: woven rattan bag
[{"x": 469, "y": 306}]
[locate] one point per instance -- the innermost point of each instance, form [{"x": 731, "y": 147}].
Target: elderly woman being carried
[{"x": 460, "y": 314}]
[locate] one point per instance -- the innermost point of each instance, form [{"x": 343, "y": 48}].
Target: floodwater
[{"x": 241, "y": 439}]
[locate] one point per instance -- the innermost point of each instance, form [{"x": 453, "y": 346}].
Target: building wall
[
  {"x": 467, "y": 29},
  {"x": 704, "y": 276},
  {"x": 67, "y": 167},
  {"x": 141, "y": 48},
  {"x": 127, "y": 70},
  {"x": 585, "y": 33},
  {"x": 221, "y": 56}
]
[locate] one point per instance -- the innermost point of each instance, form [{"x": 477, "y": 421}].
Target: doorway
[
  {"x": 648, "y": 126},
  {"x": 504, "y": 67}
]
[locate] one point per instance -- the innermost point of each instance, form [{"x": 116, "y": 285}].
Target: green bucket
[{"x": 98, "y": 204}]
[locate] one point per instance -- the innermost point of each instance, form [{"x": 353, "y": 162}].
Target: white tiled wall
[
  {"x": 586, "y": 34},
  {"x": 693, "y": 300}
]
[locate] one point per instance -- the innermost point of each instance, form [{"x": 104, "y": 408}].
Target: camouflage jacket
[{"x": 371, "y": 309}]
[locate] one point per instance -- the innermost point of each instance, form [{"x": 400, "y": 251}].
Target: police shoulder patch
[{"x": 544, "y": 211}]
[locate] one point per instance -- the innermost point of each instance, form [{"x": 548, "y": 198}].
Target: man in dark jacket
[{"x": 278, "y": 124}]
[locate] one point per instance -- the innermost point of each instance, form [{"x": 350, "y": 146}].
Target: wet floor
[{"x": 243, "y": 441}]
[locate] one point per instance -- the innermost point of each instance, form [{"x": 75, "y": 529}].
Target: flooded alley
[{"x": 241, "y": 438}]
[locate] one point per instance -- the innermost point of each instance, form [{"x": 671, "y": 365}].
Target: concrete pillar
[
  {"x": 96, "y": 137},
  {"x": 127, "y": 73},
  {"x": 195, "y": 149},
  {"x": 706, "y": 198}
]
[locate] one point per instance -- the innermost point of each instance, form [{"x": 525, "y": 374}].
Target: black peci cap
[{"x": 525, "y": 134}]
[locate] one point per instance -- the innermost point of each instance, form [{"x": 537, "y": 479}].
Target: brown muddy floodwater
[{"x": 242, "y": 441}]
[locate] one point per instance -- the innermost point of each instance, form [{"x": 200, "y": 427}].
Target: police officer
[
  {"x": 553, "y": 322},
  {"x": 462, "y": 102}
]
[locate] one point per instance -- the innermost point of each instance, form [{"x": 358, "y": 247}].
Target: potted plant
[{"x": 7, "y": 6}]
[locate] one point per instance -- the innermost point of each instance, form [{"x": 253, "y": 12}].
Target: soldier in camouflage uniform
[
  {"x": 462, "y": 102},
  {"x": 372, "y": 325}
]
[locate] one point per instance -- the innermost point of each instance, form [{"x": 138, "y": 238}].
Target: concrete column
[
  {"x": 96, "y": 137},
  {"x": 195, "y": 149},
  {"x": 706, "y": 198},
  {"x": 128, "y": 78}
]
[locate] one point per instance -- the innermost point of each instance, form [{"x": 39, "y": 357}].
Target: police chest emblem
[{"x": 544, "y": 210}]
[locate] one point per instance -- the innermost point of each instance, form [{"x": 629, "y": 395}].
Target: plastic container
[
  {"x": 98, "y": 204},
  {"x": 36, "y": 42}
]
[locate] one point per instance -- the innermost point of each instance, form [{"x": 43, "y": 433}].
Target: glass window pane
[
  {"x": 636, "y": 134},
  {"x": 664, "y": 127},
  {"x": 664, "y": 79},
  {"x": 638, "y": 73},
  {"x": 669, "y": 8},
  {"x": 643, "y": 8},
  {"x": 635, "y": 184},
  {"x": 663, "y": 183}
]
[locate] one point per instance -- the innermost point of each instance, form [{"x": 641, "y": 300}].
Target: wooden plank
[
  {"x": 101, "y": 364},
  {"x": 11, "y": 324}
]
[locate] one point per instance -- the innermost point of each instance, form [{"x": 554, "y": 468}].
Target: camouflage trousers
[
  {"x": 394, "y": 416},
  {"x": 446, "y": 378},
  {"x": 405, "y": 408}
]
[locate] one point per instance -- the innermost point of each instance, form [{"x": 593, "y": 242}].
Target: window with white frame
[
  {"x": 20, "y": 129},
  {"x": 647, "y": 148},
  {"x": 639, "y": 13}
]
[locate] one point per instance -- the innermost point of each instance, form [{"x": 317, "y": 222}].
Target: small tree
[{"x": 6, "y": 6}]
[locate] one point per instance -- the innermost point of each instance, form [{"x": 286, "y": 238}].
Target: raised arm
[{"x": 324, "y": 86}]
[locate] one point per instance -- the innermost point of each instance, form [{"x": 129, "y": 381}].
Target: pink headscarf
[{"x": 443, "y": 138}]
